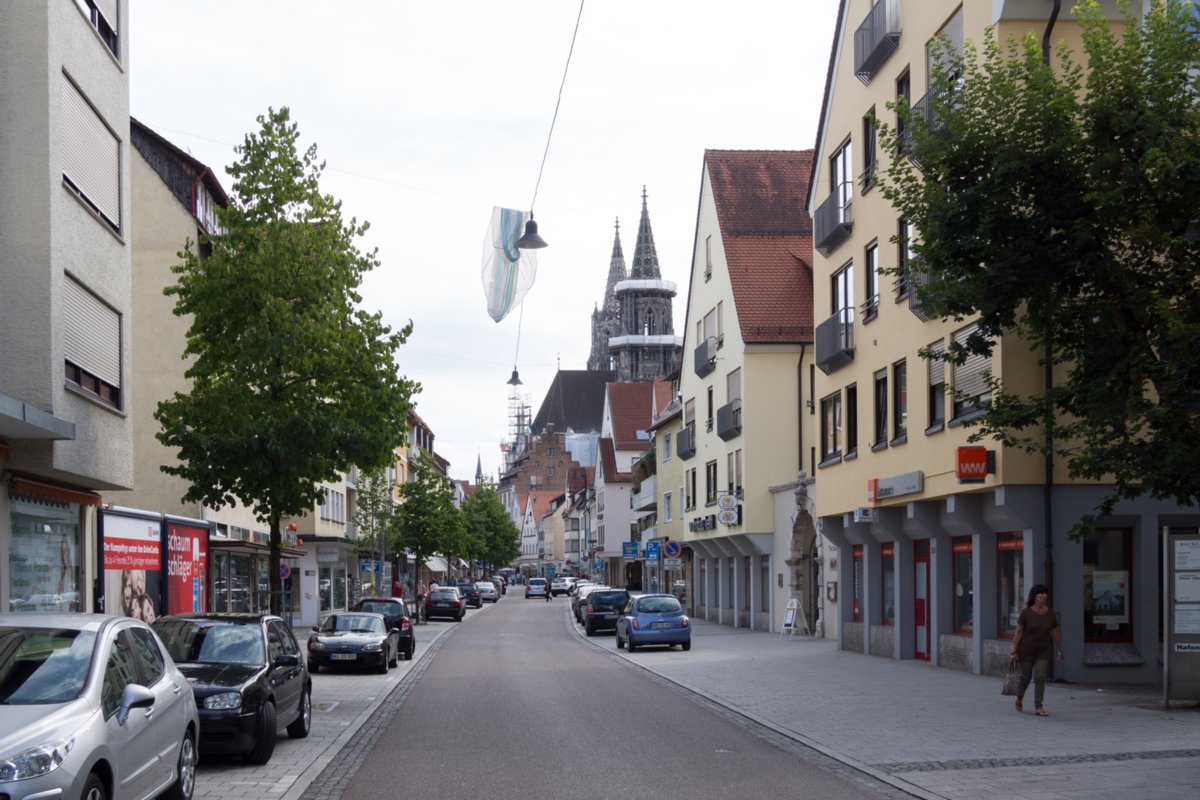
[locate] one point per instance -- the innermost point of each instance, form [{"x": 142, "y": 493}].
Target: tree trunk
[{"x": 273, "y": 567}]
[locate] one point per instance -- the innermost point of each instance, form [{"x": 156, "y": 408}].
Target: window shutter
[
  {"x": 93, "y": 333},
  {"x": 108, "y": 10},
  {"x": 968, "y": 378},
  {"x": 953, "y": 32},
  {"x": 91, "y": 154},
  {"x": 937, "y": 367}
]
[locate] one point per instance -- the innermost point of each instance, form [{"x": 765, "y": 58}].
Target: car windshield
[
  {"x": 444, "y": 594},
  {"x": 43, "y": 665},
  {"x": 380, "y": 607},
  {"x": 658, "y": 605},
  {"x": 607, "y": 598},
  {"x": 485, "y": 587},
  {"x": 204, "y": 642},
  {"x": 537, "y": 582},
  {"x": 352, "y": 623}
]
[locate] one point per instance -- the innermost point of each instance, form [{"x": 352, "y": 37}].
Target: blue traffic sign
[
  {"x": 629, "y": 549},
  {"x": 652, "y": 550},
  {"x": 671, "y": 549}
]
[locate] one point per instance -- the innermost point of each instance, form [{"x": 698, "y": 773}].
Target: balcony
[
  {"x": 834, "y": 219},
  {"x": 877, "y": 37},
  {"x": 685, "y": 442},
  {"x": 646, "y": 495},
  {"x": 706, "y": 356},
  {"x": 921, "y": 309},
  {"x": 835, "y": 341},
  {"x": 729, "y": 420}
]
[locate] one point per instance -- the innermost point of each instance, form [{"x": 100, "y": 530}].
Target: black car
[
  {"x": 471, "y": 595},
  {"x": 395, "y": 611},
  {"x": 445, "y": 603},
  {"x": 354, "y": 638},
  {"x": 249, "y": 678},
  {"x": 600, "y": 609}
]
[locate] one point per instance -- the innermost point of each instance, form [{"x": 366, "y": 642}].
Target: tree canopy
[
  {"x": 429, "y": 522},
  {"x": 489, "y": 524},
  {"x": 1058, "y": 205},
  {"x": 291, "y": 382}
]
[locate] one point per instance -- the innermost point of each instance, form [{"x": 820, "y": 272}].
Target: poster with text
[
  {"x": 132, "y": 566},
  {"x": 1110, "y": 596},
  {"x": 187, "y": 568}
]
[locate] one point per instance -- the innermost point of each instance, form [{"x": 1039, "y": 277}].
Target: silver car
[{"x": 93, "y": 708}]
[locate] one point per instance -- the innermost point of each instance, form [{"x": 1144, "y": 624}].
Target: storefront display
[
  {"x": 44, "y": 570},
  {"x": 1010, "y": 560}
]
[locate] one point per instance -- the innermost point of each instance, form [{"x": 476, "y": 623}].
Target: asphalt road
[{"x": 515, "y": 703}]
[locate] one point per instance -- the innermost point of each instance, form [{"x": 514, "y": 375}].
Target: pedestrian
[
  {"x": 397, "y": 589},
  {"x": 1037, "y": 627}
]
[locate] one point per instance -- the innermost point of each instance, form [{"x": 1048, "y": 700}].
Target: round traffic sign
[
  {"x": 285, "y": 570},
  {"x": 671, "y": 549}
]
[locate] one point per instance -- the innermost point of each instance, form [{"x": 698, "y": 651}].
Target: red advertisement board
[
  {"x": 187, "y": 568},
  {"x": 132, "y": 566}
]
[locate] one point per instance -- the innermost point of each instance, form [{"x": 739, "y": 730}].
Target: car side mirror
[
  {"x": 134, "y": 696},
  {"x": 316, "y": 629},
  {"x": 288, "y": 660}
]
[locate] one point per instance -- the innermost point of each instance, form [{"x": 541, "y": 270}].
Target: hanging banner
[
  {"x": 508, "y": 272},
  {"x": 132, "y": 552},
  {"x": 187, "y": 568}
]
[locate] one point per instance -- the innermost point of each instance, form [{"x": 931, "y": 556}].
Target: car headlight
[
  {"x": 372, "y": 647},
  {"x": 317, "y": 646},
  {"x": 223, "y": 701},
  {"x": 36, "y": 760}
]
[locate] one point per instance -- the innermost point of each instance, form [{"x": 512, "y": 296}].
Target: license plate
[
  {"x": 343, "y": 656},
  {"x": 658, "y": 625}
]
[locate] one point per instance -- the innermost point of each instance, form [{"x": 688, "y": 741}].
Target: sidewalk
[{"x": 938, "y": 733}]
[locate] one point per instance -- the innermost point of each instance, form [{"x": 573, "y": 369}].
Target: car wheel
[
  {"x": 686, "y": 645},
  {"x": 93, "y": 788},
  {"x": 300, "y": 725},
  {"x": 589, "y": 630},
  {"x": 382, "y": 669},
  {"x": 408, "y": 654},
  {"x": 264, "y": 735},
  {"x": 631, "y": 645},
  {"x": 620, "y": 642},
  {"x": 395, "y": 657},
  {"x": 185, "y": 776}
]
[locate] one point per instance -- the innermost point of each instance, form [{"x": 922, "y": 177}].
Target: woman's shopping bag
[{"x": 1012, "y": 680}]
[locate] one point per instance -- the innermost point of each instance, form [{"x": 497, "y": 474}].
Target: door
[
  {"x": 921, "y": 598},
  {"x": 134, "y": 743},
  {"x": 167, "y": 713},
  {"x": 286, "y": 679}
]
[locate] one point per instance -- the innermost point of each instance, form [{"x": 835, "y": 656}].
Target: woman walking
[{"x": 1037, "y": 627}]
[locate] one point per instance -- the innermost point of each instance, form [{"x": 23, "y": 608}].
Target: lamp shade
[
  {"x": 515, "y": 380},
  {"x": 531, "y": 240}
]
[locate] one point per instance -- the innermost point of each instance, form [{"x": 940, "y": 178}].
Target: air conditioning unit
[{"x": 864, "y": 514}]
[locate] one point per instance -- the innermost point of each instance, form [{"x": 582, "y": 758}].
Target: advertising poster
[
  {"x": 187, "y": 568},
  {"x": 132, "y": 566},
  {"x": 1110, "y": 596}
]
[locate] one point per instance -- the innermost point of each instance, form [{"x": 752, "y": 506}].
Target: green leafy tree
[
  {"x": 290, "y": 381},
  {"x": 1059, "y": 207},
  {"x": 376, "y": 517},
  {"x": 429, "y": 522},
  {"x": 489, "y": 524}
]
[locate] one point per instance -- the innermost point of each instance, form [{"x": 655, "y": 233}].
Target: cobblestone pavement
[{"x": 938, "y": 733}]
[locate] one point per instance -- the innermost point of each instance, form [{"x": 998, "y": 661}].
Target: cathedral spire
[
  {"x": 616, "y": 271},
  {"x": 645, "y": 257}
]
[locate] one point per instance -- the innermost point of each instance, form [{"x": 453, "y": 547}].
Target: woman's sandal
[
  {"x": 1041, "y": 712},
  {"x": 1020, "y": 705}
]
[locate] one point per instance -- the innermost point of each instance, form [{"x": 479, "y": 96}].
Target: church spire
[
  {"x": 616, "y": 271},
  {"x": 645, "y": 257},
  {"x": 478, "y": 470}
]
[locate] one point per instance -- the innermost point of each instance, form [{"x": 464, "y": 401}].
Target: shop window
[
  {"x": 1010, "y": 563},
  {"x": 332, "y": 586},
  {"x": 43, "y": 562},
  {"x": 888, "y": 585},
  {"x": 964, "y": 584},
  {"x": 764, "y": 583},
  {"x": 1107, "y": 586},
  {"x": 858, "y": 583}
]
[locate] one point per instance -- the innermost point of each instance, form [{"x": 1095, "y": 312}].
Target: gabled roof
[
  {"x": 538, "y": 502},
  {"x": 580, "y": 478},
  {"x": 608, "y": 464},
  {"x": 575, "y": 401},
  {"x": 760, "y": 199},
  {"x": 178, "y": 169},
  {"x": 631, "y": 406},
  {"x": 826, "y": 98}
]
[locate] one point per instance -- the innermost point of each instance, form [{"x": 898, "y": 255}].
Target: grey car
[{"x": 94, "y": 708}]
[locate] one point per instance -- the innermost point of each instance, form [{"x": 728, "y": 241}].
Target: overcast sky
[{"x": 430, "y": 113}]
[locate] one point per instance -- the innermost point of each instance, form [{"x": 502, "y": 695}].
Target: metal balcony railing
[
  {"x": 685, "y": 442},
  {"x": 834, "y": 219},
  {"x": 916, "y": 279},
  {"x": 706, "y": 356},
  {"x": 729, "y": 420},
  {"x": 835, "y": 341},
  {"x": 877, "y": 37}
]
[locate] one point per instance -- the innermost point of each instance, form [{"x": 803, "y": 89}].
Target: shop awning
[
  {"x": 36, "y": 490},
  {"x": 435, "y": 564},
  {"x": 253, "y": 547}
]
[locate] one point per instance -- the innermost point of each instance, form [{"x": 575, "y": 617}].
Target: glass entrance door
[{"x": 921, "y": 598}]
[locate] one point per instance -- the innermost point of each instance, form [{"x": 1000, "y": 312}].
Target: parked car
[
  {"x": 601, "y": 609},
  {"x": 536, "y": 587},
  {"x": 354, "y": 638},
  {"x": 487, "y": 591},
  {"x": 561, "y": 585},
  {"x": 395, "y": 611},
  {"x": 471, "y": 594},
  {"x": 653, "y": 619},
  {"x": 580, "y": 598},
  {"x": 92, "y": 702},
  {"x": 445, "y": 603},
  {"x": 249, "y": 677}
]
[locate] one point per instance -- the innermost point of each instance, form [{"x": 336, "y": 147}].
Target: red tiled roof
[
  {"x": 631, "y": 406},
  {"x": 608, "y": 461},
  {"x": 760, "y": 198},
  {"x": 540, "y": 502}
]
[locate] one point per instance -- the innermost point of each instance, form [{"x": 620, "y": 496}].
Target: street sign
[
  {"x": 727, "y": 501},
  {"x": 629, "y": 549},
  {"x": 652, "y": 550},
  {"x": 672, "y": 563},
  {"x": 285, "y": 570},
  {"x": 672, "y": 549},
  {"x": 728, "y": 516}
]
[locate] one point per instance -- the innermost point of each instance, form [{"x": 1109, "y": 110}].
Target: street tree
[
  {"x": 376, "y": 517},
  {"x": 1057, "y": 205},
  {"x": 291, "y": 382},
  {"x": 429, "y": 522},
  {"x": 489, "y": 524}
]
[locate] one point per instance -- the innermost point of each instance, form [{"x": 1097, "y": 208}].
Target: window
[
  {"x": 764, "y": 583},
  {"x": 549, "y": 452},
  {"x": 710, "y": 325},
  {"x": 708, "y": 423},
  {"x": 92, "y": 343},
  {"x": 871, "y": 264},
  {"x": 549, "y": 472},
  {"x": 937, "y": 387},
  {"x": 971, "y": 390},
  {"x": 733, "y": 468},
  {"x": 867, "y": 179},
  {"x": 1010, "y": 598},
  {"x": 831, "y": 426},
  {"x": 708, "y": 257},
  {"x": 733, "y": 385},
  {"x": 899, "y": 402},
  {"x": 666, "y": 446},
  {"x": 842, "y": 292},
  {"x": 952, "y": 32},
  {"x": 881, "y": 409},
  {"x": 145, "y": 644},
  {"x": 904, "y": 95},
  {"x": 1107, "y": 586},
  {"x": 963, "y": 567},
  {"x": 851, "y": 418},
  {"x": 903, "y": 256},
  {"x": 857, "y": 562},
  {"x": 666, "y": 506},
  {"x": 720, "y": 322},
  {"x": 710, "y": 482},
  {"x": 689, "y": 479},
  {"x": 91, "y": 155},
  {"x": 103, "y": 16},
  {"x": 120, "y": 671},
  {"x": 888, "y": 569},
  {"x": 841, "y": 173}
]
